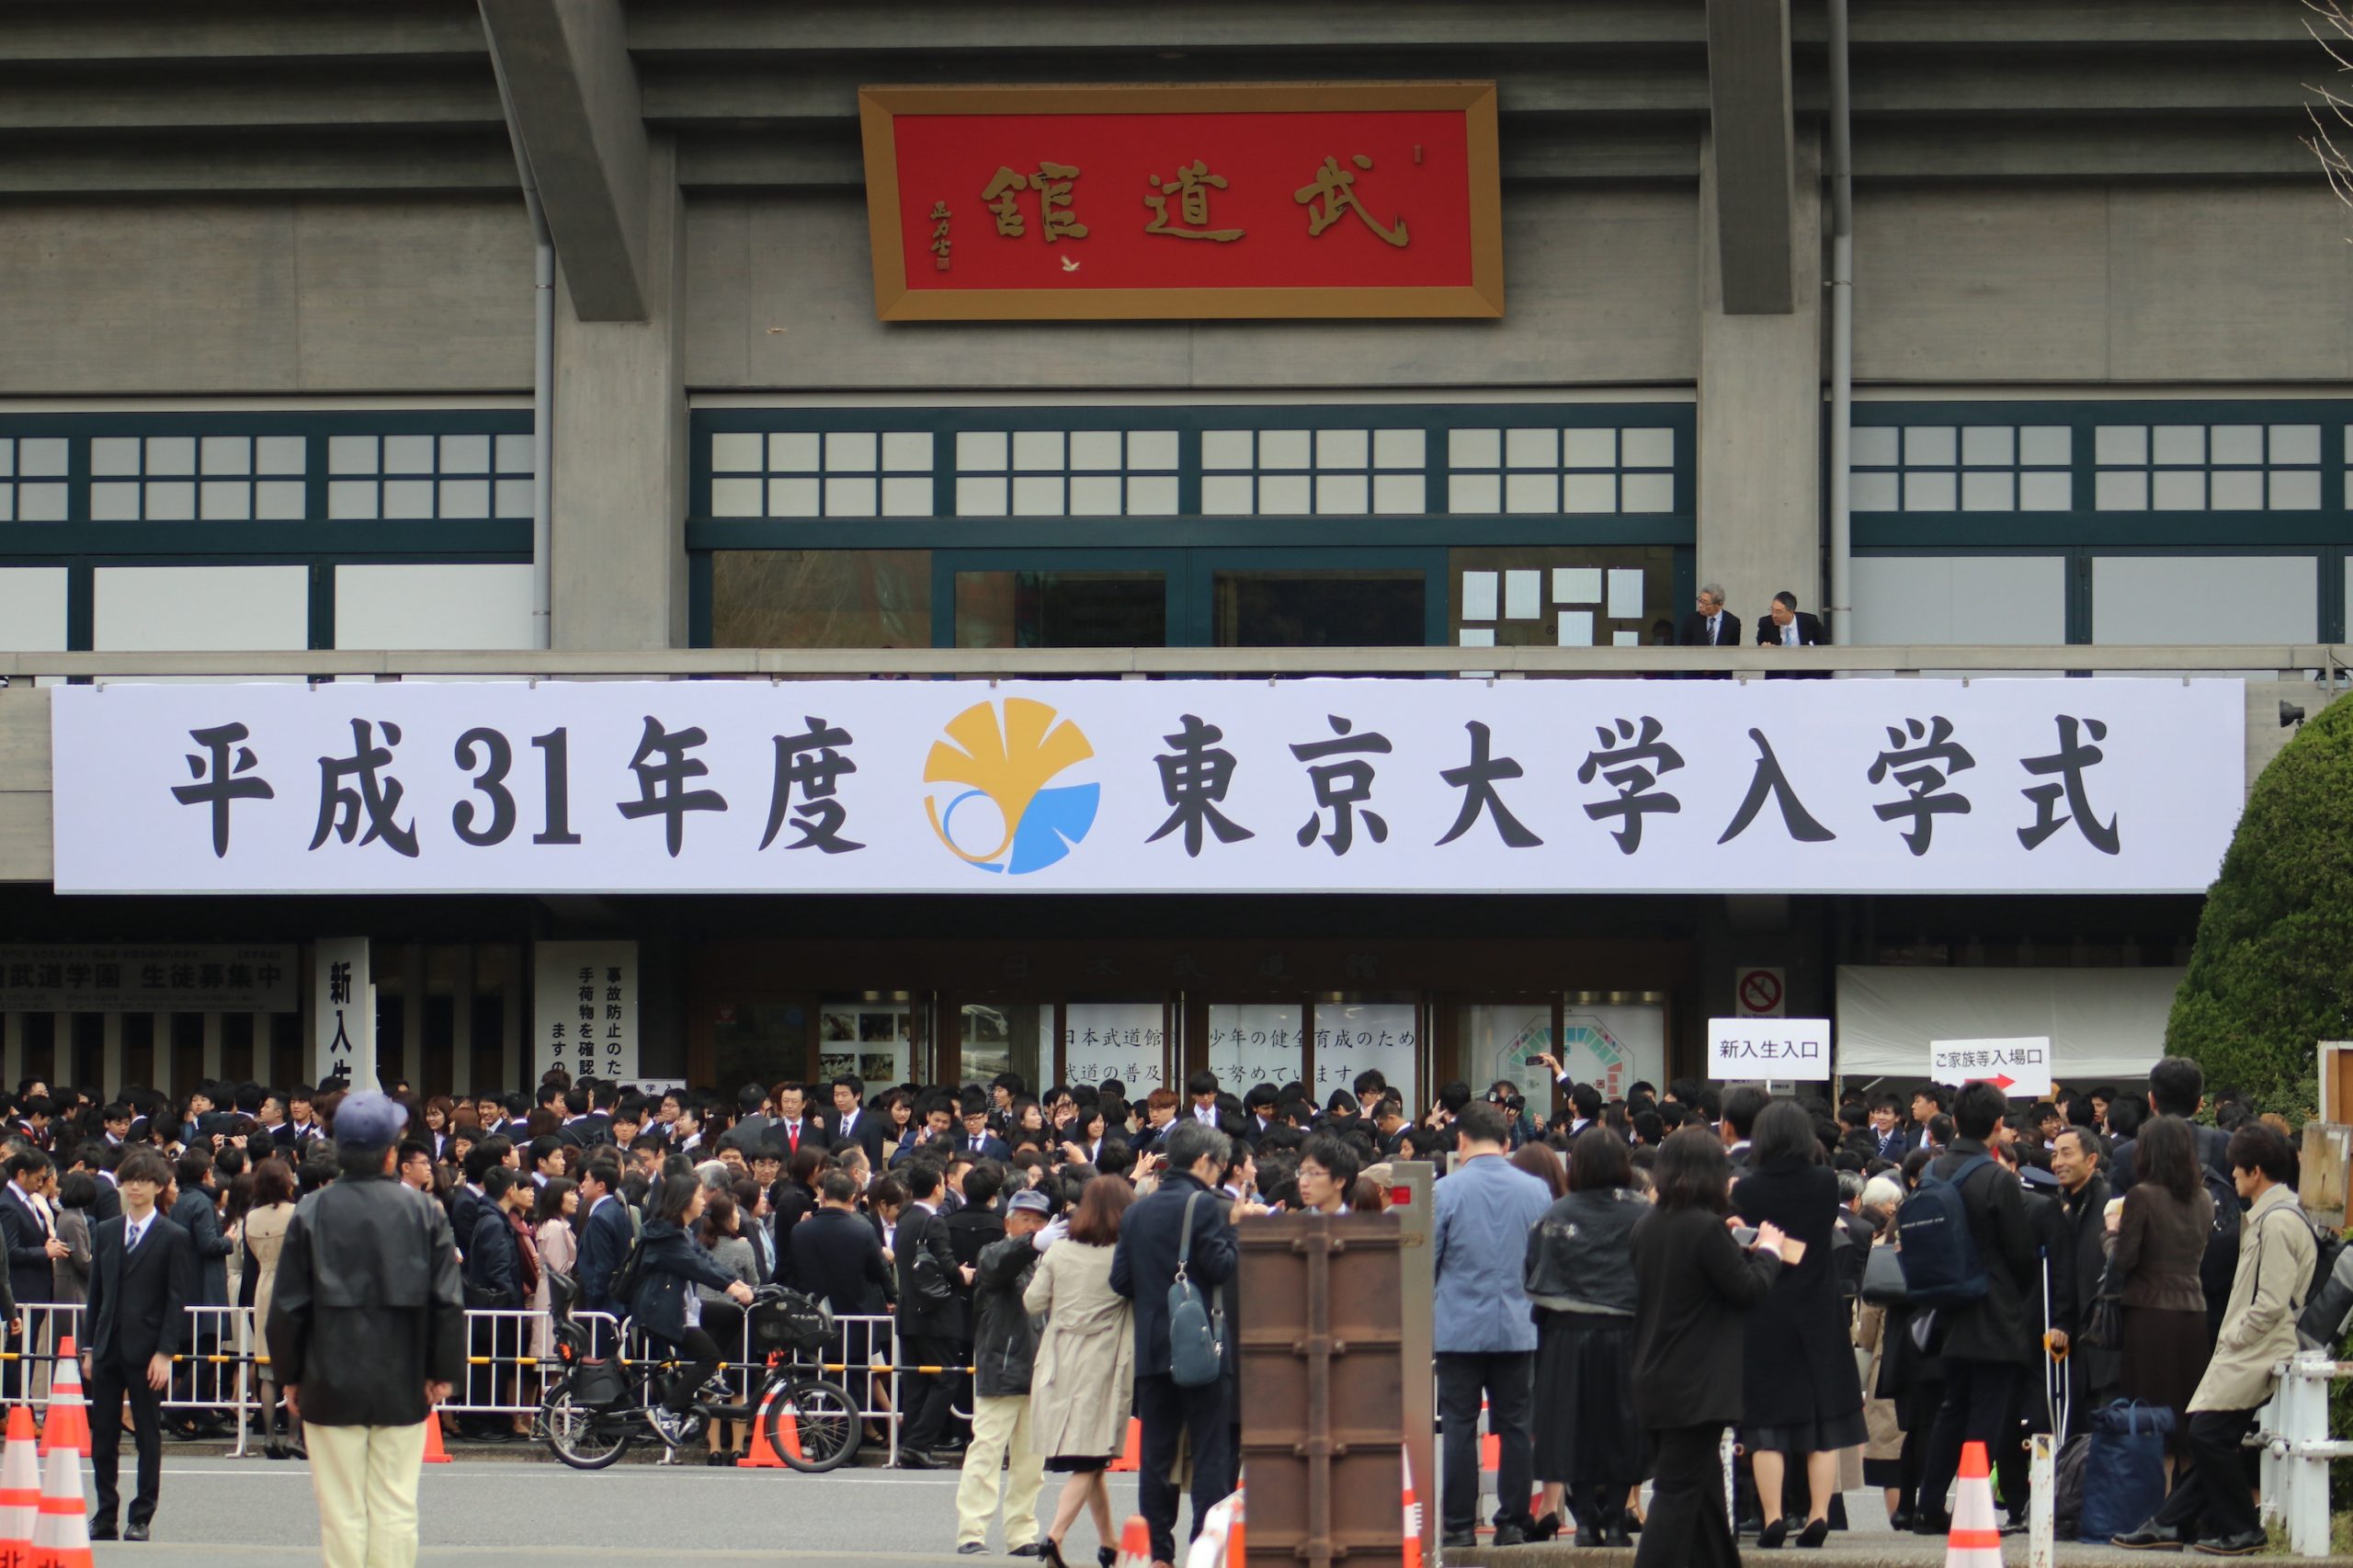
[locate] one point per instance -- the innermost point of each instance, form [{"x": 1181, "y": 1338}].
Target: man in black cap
[{"x": 367, "y": 1333}]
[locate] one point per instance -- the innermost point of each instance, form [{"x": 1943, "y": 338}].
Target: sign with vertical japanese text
[
  {"x": 1375, "y": 199},
  {"x": 343, "y": 1025},
  {"x": 1367, "y": 785},
  {"x": 584, "y": 1014}
]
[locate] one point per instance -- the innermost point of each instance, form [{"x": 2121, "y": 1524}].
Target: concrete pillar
[
  {"x": 1760, "y": 415},
  {"x": 620, "y": 489}
]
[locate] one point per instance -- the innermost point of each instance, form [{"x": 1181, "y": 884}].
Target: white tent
[{"x": 2104, "y": 1024}]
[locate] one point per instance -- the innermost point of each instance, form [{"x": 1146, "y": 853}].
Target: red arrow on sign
[{"x": 2002, "y": 1083}]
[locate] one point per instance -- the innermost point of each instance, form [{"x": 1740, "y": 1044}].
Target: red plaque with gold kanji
[{"x": 1375, "y": 199}]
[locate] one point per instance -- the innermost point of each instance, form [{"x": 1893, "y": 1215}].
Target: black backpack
[
  {"x": 2221, "y": 1264},
  {"x": 1935, "y": 1245}
]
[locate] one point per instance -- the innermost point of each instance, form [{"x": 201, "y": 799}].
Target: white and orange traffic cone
[
  {"x": 1135, "y": 1543},
  {"x": 20, "y": 1485},
  {"x": 1976, "y": 1538},
  {"x": 1413, "y": 1512},
  {"x": 763, "y": 1455},
  {"x": 68, "y": 1425},
  {"x": 62, "y": 1535}
]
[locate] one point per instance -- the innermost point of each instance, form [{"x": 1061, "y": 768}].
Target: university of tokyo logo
[{"x": 1010, "y": 817}]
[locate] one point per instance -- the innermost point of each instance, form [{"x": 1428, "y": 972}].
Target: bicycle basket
[
  {"x": 795, "y": 1322},
  {"x": 599, "y": 1384}
]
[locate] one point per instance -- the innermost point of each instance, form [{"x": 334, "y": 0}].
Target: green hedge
[{"x": 2272, "y": 971}]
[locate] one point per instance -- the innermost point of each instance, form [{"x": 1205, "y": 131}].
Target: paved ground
[{"x": 516, "y": 1510}]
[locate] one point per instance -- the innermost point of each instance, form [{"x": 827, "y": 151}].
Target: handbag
[
  {"x": 1883, "y": 1278},
  {"x": 2124, "y": 1471},
  {"x": 1196, "y": 1335}
]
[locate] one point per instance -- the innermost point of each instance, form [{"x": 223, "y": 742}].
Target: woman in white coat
[{"x": 1084, "y": 1384}]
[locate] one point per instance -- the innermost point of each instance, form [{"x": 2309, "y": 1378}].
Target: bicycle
[{"x": 595, "y": 1409}]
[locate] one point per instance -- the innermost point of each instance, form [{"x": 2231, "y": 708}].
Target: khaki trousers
[
  {"x": 1000, "y": 1429},
  {"x": 365, "y": 1478}
]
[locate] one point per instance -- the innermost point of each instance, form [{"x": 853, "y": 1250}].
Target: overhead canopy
[{"x": 2104, "y": 1024}]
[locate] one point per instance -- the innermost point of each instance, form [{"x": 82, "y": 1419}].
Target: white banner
[
  {"x": 1127, "y": 1040},
  {"x": 344, "y": 1025},
  {"x": 148, "y": 980},
  {"x": 584, "y": 1014},
  {"x": 1768, "y": 1050},
  {"x": 1427, "y": 785},
  {"x": 2020, "y": 1068}
]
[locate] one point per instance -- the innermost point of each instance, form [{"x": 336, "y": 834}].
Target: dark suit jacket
[
  {"x": 811, "y": 1136},
  {"x": 1809, "y": 632},
  {"x": 1695, "y": 1284},
  {"x": 195, "y": 1214},
  {"x": 1143, "y": 1264},
  {"x": 921, "y": 1235},
  {"x": 868, "y": 1132},
  {"x": 604, "y": 1238},
  {"x": 30, "y": 1279},
  {"x": 992, "y": 1147},
  {"x": 137, "y": 1304},
  {"x": 109, "y": 1203},
  {"x": 837, "y": 1257},
  {"x": 1694, "y": 632},
  {"x": 492, "y": 1262}
]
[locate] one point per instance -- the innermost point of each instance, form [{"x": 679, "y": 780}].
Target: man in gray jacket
[
  {"x": 1005, "y": 1347},
  {"x": 367, "y": 1333}
]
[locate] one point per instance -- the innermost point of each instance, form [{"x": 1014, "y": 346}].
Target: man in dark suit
[
  {"x": 836, "y": 1256},
  {"x": 142, "y": 1277},
  {"x": 2092, "y": 1370},
  {"x": 606, "y": 1230},
  {"x": 195, "y": 1213},
  {"x": 851, "y": 1123},
  {"x": 977, "y": 1138},
  {"x": 1711, "y": 625},
  {"x": 1786, "y": 626},
  {"x": 932, "y": 1321},
  {"x": 1143, "y": 1265},
  {"x": 792, "y": 1128},
  {"x": 33, "y": 1247}
]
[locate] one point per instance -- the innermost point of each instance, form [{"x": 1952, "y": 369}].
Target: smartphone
[{"x": 1746, "y": 1235}]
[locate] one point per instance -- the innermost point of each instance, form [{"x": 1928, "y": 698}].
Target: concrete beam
[
  {"x": 581, "y": 119},
  {"x": 1752, "y": 133}
]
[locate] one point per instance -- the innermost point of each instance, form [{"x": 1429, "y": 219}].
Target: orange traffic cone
[
  {"x": 20, "y": 1485},
  {"x": 69, "y": 1413},
  {"x": 1413, "y": 1515},
  {"x": 62, "y": 1536},
  {"x": 1132, "y": 1455},
  {"x": 1976, "y": 1538},
  {"x": 1135, "y": 1543},
  {"x": 434, "y": 1452},
  {"x": 1237, "y": 1554},
  {"x": 763, "y": 1455}
]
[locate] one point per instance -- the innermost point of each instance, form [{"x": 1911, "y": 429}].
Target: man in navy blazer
[
  {"x": 605, "y": 1233},
  {"x": 142, "y": 1277},
  {"x": 1143, "y": 1265},
  {"x": 976, "y": 1136}
]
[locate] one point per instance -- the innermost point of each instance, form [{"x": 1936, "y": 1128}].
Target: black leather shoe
[
  {"x": 2151, "y": 1537},
  {"x": 1900, "y": 1521},
  {"x": 2244, "y": 1545},
  {"x": 1815, "y": 1532},
  {"x": 1546, "y": 1528},
  {"x": 103, "y": 1529},
  {"x": 1509, "y": 1534},
  {"x": 1926, "y": 1523},
  {"x": 134, "y": 1532},
  {"x": 1453, "y": 1538},
  {"x": 1772, "y": 1535},
  {"x": 916, "y": 1459},
  {"x": 1615, "y": 1535}
]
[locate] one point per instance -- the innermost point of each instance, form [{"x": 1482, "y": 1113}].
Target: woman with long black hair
[
  {"x": 1694, "y": 1281},
  {"x": 671, "y": 1261}
]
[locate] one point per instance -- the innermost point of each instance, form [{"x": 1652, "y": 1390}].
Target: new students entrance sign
[{"x": 1406, "y": 786}]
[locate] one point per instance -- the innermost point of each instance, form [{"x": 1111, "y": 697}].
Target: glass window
[
  {"x": 1563, "y": 596},
  {"x": 1319, "y": 609},
  {"x": 1062, "y": 609},
  {"x": 1355, "y": 1033},
  {"x": 821, "y": 598},
  {"x": 1003, "y": 1036},
  {"x": 1126, "y": 1040},
  {"x": 872, "y": 1036},
  {"x": 1256, "y": 1042}
]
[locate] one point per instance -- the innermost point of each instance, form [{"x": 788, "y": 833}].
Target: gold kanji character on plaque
[
  {"x": 1052, "y": 183},
  {"x": 940, "y": 243},
  {"x": 1191, "y": 185},
  {"x": 1336, "y": 188}
]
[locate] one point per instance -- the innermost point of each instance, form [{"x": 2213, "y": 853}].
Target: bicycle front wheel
[
  {"x": 579, "y": 1436},
  {"x": 814, "y": 1425}
]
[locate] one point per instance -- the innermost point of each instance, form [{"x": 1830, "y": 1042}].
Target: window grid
[
  {"x": 473, "y": 476},
  {"x": 1579, "y": 471},
  {"x": 1963, "y": 467},
  {"x": 1066, "y": 473},
  {"x": 831, "y": 474},
  {"x": 1579, "y": 601},
  {"x": 1320, "y": 472},
  {"x": 192, "y": 478},
  {"x": 32, "y": 479},
  {"x": 2207, "y": 468}
]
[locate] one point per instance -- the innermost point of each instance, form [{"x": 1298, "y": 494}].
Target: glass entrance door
[{"x": 1057, "y": 598}]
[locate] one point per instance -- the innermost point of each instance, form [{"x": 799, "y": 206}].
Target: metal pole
[
  {"x": 1842, "y": 331},
  {"x": 2042, "y": 1482},
  {"x": 542, "y": 363}
]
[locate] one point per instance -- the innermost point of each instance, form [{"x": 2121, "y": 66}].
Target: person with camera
[{"x": 1004, "y": 1349}]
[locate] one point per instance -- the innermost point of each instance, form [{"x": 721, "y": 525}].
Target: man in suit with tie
[
  {"x": 142, "y": 1276},
  {"x": 977, "y": 1138},
  {"x": 1711, "y": 625},
  {"x": 792, "y": 1125},
  {"x": 33, "y": 1247},
  {"x": 608, "y": 1229},
  {"x": 1786, "y": 626},
  {"x": 852, "y": 1123}
]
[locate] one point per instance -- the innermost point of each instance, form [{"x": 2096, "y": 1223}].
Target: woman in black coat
[
  {"x": 670, "y": 1262},
  {"x": 1694, "y": 1282},
  {"x": 1803, "y": 1396}
]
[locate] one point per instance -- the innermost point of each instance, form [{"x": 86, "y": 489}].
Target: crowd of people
[{"x": 1617, "y": 1285}]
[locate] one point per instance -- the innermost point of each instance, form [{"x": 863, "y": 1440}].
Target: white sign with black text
[
  {"x": 1364, "y": 785},
  {"x": 2020, "y": 1068},
  {"x": 344, "y": 1025},
  {"x": 1779, "y": 1050},
  {"x": 583, "y": 1016}
]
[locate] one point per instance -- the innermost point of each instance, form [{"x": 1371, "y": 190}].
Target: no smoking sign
[{"x": 1759, "y": 992}]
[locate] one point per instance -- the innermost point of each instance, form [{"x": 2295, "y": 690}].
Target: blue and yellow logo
[{"x": 1008, "y": 820}]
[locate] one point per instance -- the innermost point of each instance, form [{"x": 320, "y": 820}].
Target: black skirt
[{"x": 1586, "y": 1434}]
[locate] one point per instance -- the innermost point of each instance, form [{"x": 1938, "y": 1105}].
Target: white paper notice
[
  {"x": 1126, "y": 1040},
  {"x": 1625, "y": 594},
  {"x": 1478, "y": 595},
  {"x": 1253, "y": 1043},
  {"x": 1576, "y": 584},
  {"x": 1625, "y": 639},
  {"x": 1523, "y": 594},
  {"x": 1576, "y": 629},
  {"x": 1478, "y": 637}
]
